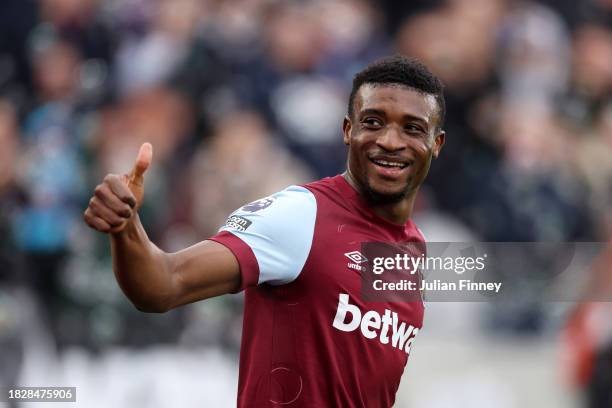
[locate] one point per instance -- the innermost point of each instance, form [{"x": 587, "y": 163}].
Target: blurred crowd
[{"x": 241, "y": 98}]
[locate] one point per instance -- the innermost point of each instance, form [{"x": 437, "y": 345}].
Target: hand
[{"x": 118, "y": 197}]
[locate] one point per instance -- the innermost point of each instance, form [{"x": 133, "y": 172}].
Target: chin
[
  {"x": 377, "y": 194},
  {"x": 388, "y": 187}
]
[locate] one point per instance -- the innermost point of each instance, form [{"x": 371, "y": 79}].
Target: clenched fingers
[
  {"x": 104, "y": 193},
  {"x": 99, "y": 209},
  {"x": 95, "y": 222}
]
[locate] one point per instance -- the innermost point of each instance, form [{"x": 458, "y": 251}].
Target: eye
[
  {"x": 412, "y": 128},
  {"x": 372, "y": 123}
]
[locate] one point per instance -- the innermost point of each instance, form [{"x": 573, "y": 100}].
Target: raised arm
[{"x": 153, "y": 280}]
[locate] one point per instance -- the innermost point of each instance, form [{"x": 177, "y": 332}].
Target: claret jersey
[{"x": 308, "y": 338}]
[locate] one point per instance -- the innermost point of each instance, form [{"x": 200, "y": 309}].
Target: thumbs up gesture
[{"x": 118, "y": 197}]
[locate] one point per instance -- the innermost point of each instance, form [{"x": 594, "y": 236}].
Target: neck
[{"x": 397, "y": 213}]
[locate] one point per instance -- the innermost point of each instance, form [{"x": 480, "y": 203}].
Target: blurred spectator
[
  {"x": 457, "y": 41},
  {"x": 228, "y": 171},
  {"x": 591, "y": 80},
  {"x": 77, "y": 21},
  {"x": 10, "y": 194},
  {"x": 587, "y": 336},
  {"x": 533, "y": 61},
  {"x": 17, "y": 19},
  {"x": 51, "y": 171},
  {"x": 147, "y": 60}
]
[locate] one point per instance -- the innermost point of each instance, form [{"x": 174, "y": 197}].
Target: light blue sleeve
[{"x": 279, "y": 230}]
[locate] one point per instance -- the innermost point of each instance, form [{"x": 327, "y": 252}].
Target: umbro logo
[
  {"x": 356, "y": 257},
  {"x": 356, "y": 260}
]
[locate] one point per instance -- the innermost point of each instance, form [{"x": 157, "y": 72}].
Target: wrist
[{"x": 128, "y": 230}]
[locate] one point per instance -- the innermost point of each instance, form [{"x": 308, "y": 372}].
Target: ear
[
  {"x": 438, "y": 143},
  {"x": 347, "y": 125}
]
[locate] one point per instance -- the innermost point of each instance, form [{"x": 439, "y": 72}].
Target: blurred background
[{"x": 241, "y": 98}]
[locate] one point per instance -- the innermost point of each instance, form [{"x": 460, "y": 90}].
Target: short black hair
[{"x": 400, "y": 70}]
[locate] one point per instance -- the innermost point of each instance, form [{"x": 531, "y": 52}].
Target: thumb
[{"x": 143, "y": 161}]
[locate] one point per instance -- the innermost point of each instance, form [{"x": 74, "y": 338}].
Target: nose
[{"x": 391, "y": 139}]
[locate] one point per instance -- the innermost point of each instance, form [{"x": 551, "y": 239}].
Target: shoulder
[
  {"x": 278, "y": 230},
  {"x": 324, "y": 184},
  {"x": 280, "y": 204},
  {"x": 331, "y": 190}
]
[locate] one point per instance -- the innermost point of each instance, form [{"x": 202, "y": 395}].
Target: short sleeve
[{"x": 271, "y": 237}]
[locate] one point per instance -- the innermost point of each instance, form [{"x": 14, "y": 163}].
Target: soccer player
[{"x": 309, "y": 339}]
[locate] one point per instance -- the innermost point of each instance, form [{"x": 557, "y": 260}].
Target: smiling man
[
  {"x": 309, "y": 338},
  {"x": 393, "y": 130}
]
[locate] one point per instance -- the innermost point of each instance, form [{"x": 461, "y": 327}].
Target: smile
[{"x": 390, "y": 163}]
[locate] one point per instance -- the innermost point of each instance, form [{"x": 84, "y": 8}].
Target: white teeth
[{"x": 389, "y": 164}]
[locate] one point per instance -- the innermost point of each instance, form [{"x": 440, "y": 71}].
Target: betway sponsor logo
[{"x": 387, "y": 327}]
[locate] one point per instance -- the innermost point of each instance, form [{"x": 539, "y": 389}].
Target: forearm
[{"x": 141, "y": 269}]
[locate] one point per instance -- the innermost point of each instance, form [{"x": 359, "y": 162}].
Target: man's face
[{"x": 392, "y": 138}]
